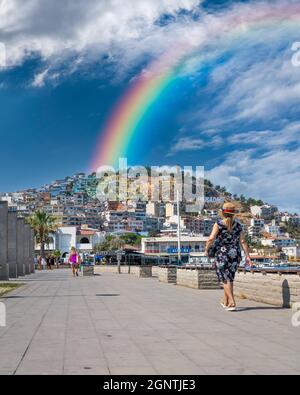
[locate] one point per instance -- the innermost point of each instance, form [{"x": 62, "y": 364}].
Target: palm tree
[{"x": 43, "y": 225}]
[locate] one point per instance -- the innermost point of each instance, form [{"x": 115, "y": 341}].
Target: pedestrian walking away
[
  {"x": 75, "y": 262},
  {"x": 225, "y": 245}
]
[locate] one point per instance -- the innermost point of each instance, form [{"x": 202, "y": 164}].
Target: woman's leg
[
  {"x": 231, "y": 299},
  {"x": 222, "y": 280},
  {"x": 226, "y": 293},
  {"x": 232, "y": 291},
  {"x": 225, "y": 299}
]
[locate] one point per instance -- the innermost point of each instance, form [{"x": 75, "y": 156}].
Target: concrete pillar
[
  {"x": 32, "y": 252},
  {"x": 27, "y": 242},
  {"x": 4, "y": 271},
  {"x": 20, "y": 249},
  {"x": 12, "y": 244}
]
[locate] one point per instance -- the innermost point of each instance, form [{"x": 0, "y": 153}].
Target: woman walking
[
  {"x": 74, "y": 260},
  {"x": 224, "y": 245}
]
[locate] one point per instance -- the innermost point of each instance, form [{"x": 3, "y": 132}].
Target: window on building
[{"x": 84, "y": 240}]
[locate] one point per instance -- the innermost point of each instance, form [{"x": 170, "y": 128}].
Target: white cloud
[
  {"x": 252, "y": 85},
  {"x": 270, "y": 138},
  {"x": 187, "y": 144},
  {"x": 39, "y": 80},
  {"x": 56, "y": 29},
  {"x": 124, "y": 31},
  {"x": 184, "y": 144},
  {"x": 273, "y": 177}
]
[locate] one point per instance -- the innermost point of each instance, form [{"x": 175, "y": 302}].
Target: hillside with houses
[{"x": 85, "y": 221}]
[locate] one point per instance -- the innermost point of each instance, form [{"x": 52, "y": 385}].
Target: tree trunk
[{"x": 43, "y": 250}]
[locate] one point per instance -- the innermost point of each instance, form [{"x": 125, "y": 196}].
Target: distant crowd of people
[{"x": 47, "y": 262}]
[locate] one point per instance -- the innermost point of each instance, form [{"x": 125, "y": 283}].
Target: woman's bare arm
[
  {"x": 212, "y": 238},
  {"x": 245, "y": 247}
]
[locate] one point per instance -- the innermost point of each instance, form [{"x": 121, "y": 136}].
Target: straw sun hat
[{"x": 228, "y": 209}]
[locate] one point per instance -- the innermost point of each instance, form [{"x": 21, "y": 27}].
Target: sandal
[
  {"x": 223, "y": 304},
  {"x": 231, "y": 307}
]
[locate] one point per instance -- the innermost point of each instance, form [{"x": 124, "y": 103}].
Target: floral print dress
[{"x": 228, "y": 251}]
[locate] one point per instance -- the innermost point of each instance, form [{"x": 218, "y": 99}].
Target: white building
[
  {"x": 213, "y": 214},
  {"x": 294, "y": 219},
  {"x": 155, "y": 209},
  {"x": 292, "y": 252},
  {"x": 67, "y": 237},
  {"x": 153, "y": 224},
  {"x": 274, "y": 229},
  {"x": 166, "y": 246},
  {"x": 256, "y": 227},
  {"x": 265, "y": 212},
  {"x": 278, "y": 242}
]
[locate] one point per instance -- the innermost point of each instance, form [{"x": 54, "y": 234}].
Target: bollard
[
  {"x": 4, "y": 271},
  {"x": 12, "y": 245}
]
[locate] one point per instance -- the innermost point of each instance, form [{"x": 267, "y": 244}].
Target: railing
[
  {"x": 84, "y": 247},
  {"x": 199, "y": 268},
  {"x": 270, "y": 270}
]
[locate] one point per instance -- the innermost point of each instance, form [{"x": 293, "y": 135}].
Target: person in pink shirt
[{"x": 75, "y": 261}]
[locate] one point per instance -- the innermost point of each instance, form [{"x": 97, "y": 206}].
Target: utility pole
[{"x": 178, "y": 229}]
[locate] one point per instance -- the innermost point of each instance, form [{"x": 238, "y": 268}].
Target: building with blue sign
[{"x": 167, "y": 247}]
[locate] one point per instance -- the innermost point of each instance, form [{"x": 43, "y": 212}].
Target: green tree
[
  {"x": 292, "y": 229},
  {"x": 208, "y": 184},
  {"x": 132, "y": 239},
  {"x": 110, "y": 243},
  {"x": 43, "y": 225}
]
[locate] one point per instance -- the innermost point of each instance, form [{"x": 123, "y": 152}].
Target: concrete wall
[
  {"x": 12, "y": 245},
  {"x": 27, "y": 248},
  {"x": 278, "y": 290},
  {"x": 197, "y": 278},
  {"x": 139, "y": 271},
  {"x": 142, "y": 271},
  {"x": 110, "y": 269},
  {"x": 20, "y": 250},
  {"x": 155, "y": 271},
  {"x": 88, "y": 271},
  {"x": 167, "y": 275},
  {"x": 4, "y": 270}
]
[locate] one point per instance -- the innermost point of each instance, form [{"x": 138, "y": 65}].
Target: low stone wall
[
  {"x": 138, "y": 271},
  {"x": 110, "y": 269},
  {"x": 167, "y": 274},
  {"x": 198, "y": 278},
  {"x": 271, "y": 288},
  {"x": 141, "y": 271},
  {"x": 87, "y": 271},
  {"x": 155, "y": 271}
]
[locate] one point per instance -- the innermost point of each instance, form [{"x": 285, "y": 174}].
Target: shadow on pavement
[
  {"x": 55, "y": 296},
  {"x": 41, "y": 296},
  {"x": 240, "y": 309}
]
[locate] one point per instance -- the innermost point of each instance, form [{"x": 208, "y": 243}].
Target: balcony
[{"x": 84, "y": 247}]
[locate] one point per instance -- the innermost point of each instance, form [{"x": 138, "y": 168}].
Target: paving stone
[{"x": 121, "y": 324}]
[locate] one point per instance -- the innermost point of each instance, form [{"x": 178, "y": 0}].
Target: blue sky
[{"x": 233, "y": 108}]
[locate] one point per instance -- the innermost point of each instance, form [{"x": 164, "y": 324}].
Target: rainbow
[{"x": 123, "y": 123}]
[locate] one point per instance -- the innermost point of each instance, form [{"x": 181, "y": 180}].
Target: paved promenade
[{"x": 114, "y": 324}]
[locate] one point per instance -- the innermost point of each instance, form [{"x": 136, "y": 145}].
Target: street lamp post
[
  {"x": 119, "y": 258},
  {"x": 178, "y": 230}
]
